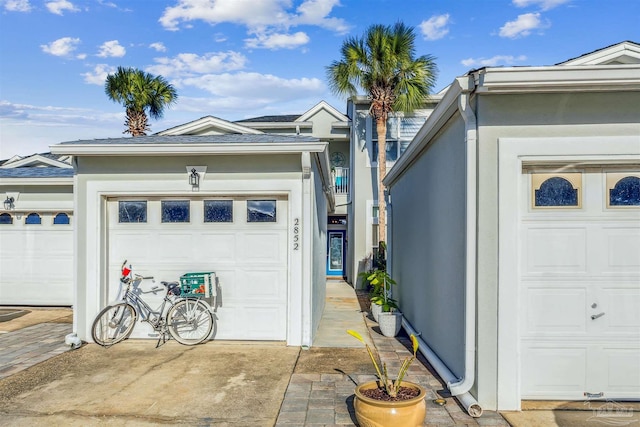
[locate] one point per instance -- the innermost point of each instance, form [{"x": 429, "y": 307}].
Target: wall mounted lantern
[
  {"x": 8, "y": 203},
  {"x": 194, "y": 178}
]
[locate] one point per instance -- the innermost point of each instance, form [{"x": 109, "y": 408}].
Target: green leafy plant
[
  {"x": 380, "y": 282},
  {"x": 390, "y": 386}
]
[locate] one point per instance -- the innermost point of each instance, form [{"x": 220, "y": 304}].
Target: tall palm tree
[
  {"x": 383, "y": 64},
  {"x": 140, "y": 93}
]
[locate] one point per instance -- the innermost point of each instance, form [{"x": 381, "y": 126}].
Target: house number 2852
[{"x": 296, "y": 234}]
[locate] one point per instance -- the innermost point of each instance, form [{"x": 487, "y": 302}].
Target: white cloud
[
  {"x": 316, "y": 12},
  {"x": 158, "y": 46},
  {"x": 493, "y": 61},
  {"x": 257, "y": 16},
  {"x": 278, "y": 41},
  {"x": 435, "y": 27},
  {"x": 189, "y": 64},
  {"x": 17, "y": 6},
  {"x": 521, "y": 26},
  {"x": 59, "y": 6},
  {"x": 542, "y": 4},
  {"x": 99, "y": 74},
  {"x": 28, "y": 129},
  {"x": 61, "y": 47},
  {"x": 255, "y": 88},
  {"x": 111, "y": 49}
]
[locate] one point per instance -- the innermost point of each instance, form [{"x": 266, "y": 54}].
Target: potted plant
[
  {"x": 389, "y": 401},
  {"x": 390, "y": 322},
  {"x": 381, "y": 301}
]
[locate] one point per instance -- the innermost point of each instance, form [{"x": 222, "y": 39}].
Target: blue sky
[{"x": 236, "y": 59}]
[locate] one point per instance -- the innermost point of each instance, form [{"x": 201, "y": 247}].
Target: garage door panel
[
  {"x": 623, "y": 371},
  {"x": 219, "y": 248},
  {"x": 556, "y": 250},
  {"x": 175, "y": 246},
  {"x": 553, "y": 370},
  {"x": 131, "y": 245},
  {"x": 622, "y": 250},
  {"x": 622, "y": 311},
  {"x": 264, "y": 247},
  {"x": 555, "y": 310},
  {"x": 251, "y": 322}
]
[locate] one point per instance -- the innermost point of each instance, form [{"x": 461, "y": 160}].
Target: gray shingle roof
[
  {"x": 44, "y": 172},
  {"x": 197, "y": 139},
  {"x": 277, "y": 119}
]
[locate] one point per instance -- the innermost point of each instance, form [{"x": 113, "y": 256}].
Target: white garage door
[
  {"x": 243, "y": 240},
  {"x": 580, "y": 284},
  {"x": 36, "y": 259}
]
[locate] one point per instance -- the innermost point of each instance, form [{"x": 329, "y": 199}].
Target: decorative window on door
[
  {"x": 175, "y": 211},
  {"x": 556, "y": 190},
  {"x": 261, "y": 211},
  {"x": 623, "y": 189},
  {"x": 6, "y": 218},
  {"x": 132, "y": 211},
  {"x": 33, "y": 218},
  {"x": 218, "y": 211}
]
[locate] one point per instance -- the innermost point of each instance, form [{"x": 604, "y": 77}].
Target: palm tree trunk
[
  {"x": 137, "y": 122},
  {"x": 381, "y": 127}
]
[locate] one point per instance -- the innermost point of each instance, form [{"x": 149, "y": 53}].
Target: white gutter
[{"x": 471, "y": 138}]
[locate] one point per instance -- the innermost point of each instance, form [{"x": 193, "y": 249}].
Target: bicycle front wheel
[
  {"x": 190, "y": 321},
  {"x": 113, "y": 324}
]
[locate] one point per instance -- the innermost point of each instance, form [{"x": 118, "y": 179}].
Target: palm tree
[
  {"x": 383, "y": 64},
  {"x": 140, "y": 93}
]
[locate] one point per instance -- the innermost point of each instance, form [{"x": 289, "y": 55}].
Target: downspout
[{"x": 460, "y": 387}]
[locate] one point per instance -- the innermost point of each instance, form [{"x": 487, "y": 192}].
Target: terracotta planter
[
  {"x": 376, "y": 309},
  {"x": 390, "y": 323},
  {"x": 379, "y": 413}
]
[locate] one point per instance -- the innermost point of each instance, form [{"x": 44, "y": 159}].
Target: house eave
[
  {"x": 36, "y": 181},
  {"x": 277, "y": 125},
  {"x": 560, "y": 78},
  {"x": 186, "y": 150}
]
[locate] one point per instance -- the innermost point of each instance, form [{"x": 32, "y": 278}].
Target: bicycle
[{"x": 188, "y": 320}]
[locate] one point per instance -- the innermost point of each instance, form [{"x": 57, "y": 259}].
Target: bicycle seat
[{"x": 173, "y": 288}]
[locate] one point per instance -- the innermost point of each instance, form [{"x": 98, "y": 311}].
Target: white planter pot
[
  {"x": 390, "y": 323},
  {"x": 376, "y": 309}
]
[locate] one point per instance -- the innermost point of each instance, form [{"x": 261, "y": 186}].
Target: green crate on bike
[{"x": 198, "y": 284}]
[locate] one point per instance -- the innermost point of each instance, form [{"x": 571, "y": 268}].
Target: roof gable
[
  {"x": 626, "y": 52},
  {"x": 322, "y": 106},
  {"x": 37, "y": 161},
  {"x": 209, "y": 125}
]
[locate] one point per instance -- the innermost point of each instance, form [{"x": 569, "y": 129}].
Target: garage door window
[
  {"x": 175, "y": 211},
  {"x": 261, "y": 211},
  {"x": 556, "y": 190},
  {"x": 61, "y": 219},
  {"x": 33, "y": 218},
  {"x": 218, "y": 211},
  {"x": 6, "y": 218},
  {"x": 132, "y": 211},
  {"x": 624, "y": 189}
]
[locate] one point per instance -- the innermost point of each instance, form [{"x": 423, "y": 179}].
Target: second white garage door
[
  {"x": 242, "y": 239},
  {"x": 580, "y": 285}
]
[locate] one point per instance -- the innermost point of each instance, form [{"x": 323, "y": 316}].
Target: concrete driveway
[{"x": 133, "y": 384}]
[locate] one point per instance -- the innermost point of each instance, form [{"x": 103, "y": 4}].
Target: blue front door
[{"x": 335, "y": 253}]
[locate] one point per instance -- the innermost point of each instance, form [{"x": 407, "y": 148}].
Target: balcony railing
[{"x": 341, "y": 180}]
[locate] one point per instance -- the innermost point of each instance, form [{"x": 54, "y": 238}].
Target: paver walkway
[
  {"x": 327, "y": 399},
  {"x": 26, "y": 347}
]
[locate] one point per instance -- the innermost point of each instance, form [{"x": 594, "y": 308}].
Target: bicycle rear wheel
[
  {"x": 190, "y": 321},
  {"x": 113, "y": 324}
]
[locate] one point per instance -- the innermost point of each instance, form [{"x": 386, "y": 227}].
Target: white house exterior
[
  {"x": 257, "y": 218},
  {"x": 515, "y": 232},
  {"x": 36, "y": 231}
]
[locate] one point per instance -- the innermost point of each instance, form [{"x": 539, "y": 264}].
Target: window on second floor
[{"x": 400, "y": 132}]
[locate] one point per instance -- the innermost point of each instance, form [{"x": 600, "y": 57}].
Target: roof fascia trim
[{"x": 184, "y": 149}]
